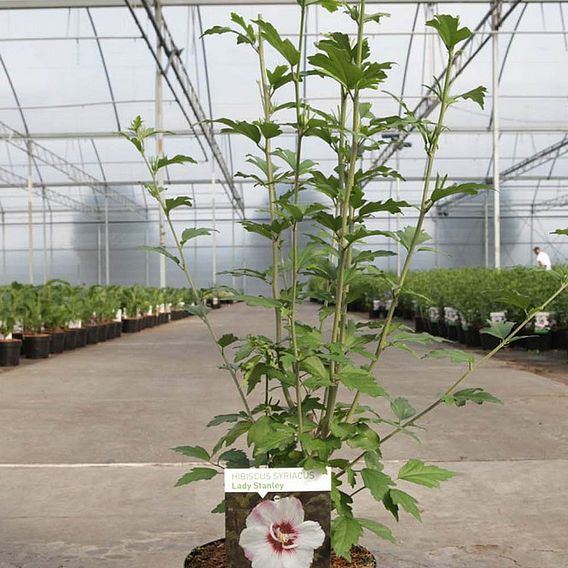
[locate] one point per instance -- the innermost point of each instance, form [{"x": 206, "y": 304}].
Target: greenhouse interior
[{"x": 283, "y": 283}]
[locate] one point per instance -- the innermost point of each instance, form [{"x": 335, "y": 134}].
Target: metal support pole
[
  {"x": 107, "y": 247},
  {"x": 214, "y": 222},
  {"x": 3, "y": 244},
  {"x": 486, "y": 230},
  {"x": 496, "y": 164},
  {"x": 159, "y": 121},
  {"x": 30, "y": 215},
  {"x": 44, "y": 229},
  {"x": 99, "y": 260},
  {"x": 397, "y": 220}
]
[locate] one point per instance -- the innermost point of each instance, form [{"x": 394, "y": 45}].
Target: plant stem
[
  {"x": 423, "y": 212},
  {"x": 339, "y": 319},
  {"x": 275, "y": 241},
  {"x": 479, "y": 363},
  {"x": 295, "y": 229}
]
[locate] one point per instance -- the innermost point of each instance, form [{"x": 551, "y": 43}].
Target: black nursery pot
[
  {"x": 92, "y": 334},
  {"x": 70, "y": 339},
  {"x": 81, "y": 336},
  {"x": 558, "y": 339},
  {"x": 117, "y": 328},
  {"x": 472, "y": 337},
  {"x": 488, "y": 341},
  {"x": 130, "y": 325},
  {"x": 36, "y": 346},
  {"x": 536, "y": 342},
  {"x": 461, "y": 335},
  {"x": 419, "y": 324},
  {"x": 102, "y": 333},
  {"x": 110, "y": 329},
  {"x": 452, "y": 332},
  {"x": 442, "y": 329},
  {"x": 434, "y": 327},
  {"x": 10, "y": 352},
  {"x": 57, "y": 344}
]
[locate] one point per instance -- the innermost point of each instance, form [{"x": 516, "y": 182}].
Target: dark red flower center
[{"x": 282, "y": 536}]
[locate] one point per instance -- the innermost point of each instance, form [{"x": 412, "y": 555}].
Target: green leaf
[
  {"x": 176, "y": 202},
  {"x": 163, "y": 251},
  {"x": 502, "y": 329},
  {"x": 461, "y": 188},
  {"x": 404, "y": 500},
  {"x": 379, "y": 529},
  {"x": 235, "y": 459},
  {"x": 406, "y": 237},
  {"x": 365, "y": 438},
  {"x": 220, "y": 508},
  {"x": 192, "y": 233},
  {"x": 223, "y": 419},
  {"x": 448, "y": 28},
  {"x": 267, "y": 434},
  {"x": 402, "y": 409},
  {"x": 416, "y": 471},
  {"x": 261, "y": 301},
  {"x": 242, "y": 127},
  {"x": 560, "y": 232},
  {"x": 477, "y": 95},
  {"x": 164, "y": 161},
  {"x": 226, "y": 340},
  {"x": 477, "y": 395},
  {"x": 193, "y": 452},
  {"x": 376, "y": 482},
  {"x": 198, "y": 310},
  {"x": 453, "y": 355},
  {"x": 283, "y": 46},
  {"x": 196, "y": 474},
  {"x": 358, "y": 379},
  {"x": 269, "y": 129},
  {"x": 345, "y": 534}
]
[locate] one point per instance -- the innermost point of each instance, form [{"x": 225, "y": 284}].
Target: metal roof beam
[
  {"x": 48, "y": 4},
  {"x": 182, "y": 79},
  {"x": 74, "y": 173}
]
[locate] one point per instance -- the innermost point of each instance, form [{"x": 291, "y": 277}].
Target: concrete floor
[{"x": 86, "y": 476}]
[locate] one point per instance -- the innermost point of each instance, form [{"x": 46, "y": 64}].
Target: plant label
[
  {"x": 277, "y": 518},
  {"x": 498, "y": 317}
]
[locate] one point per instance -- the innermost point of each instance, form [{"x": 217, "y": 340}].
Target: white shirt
[{"x": 544, "y": 260}]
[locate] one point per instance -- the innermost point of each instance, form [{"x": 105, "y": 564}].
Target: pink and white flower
[{"x": 276, "y": 535}]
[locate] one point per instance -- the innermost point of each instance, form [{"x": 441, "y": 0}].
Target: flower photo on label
[{"x": 277, "y": 535}]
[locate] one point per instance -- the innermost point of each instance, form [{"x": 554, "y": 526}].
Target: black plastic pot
[
  {"x": 57, "y": 344},
  {"x": 214, "y": 303},
  {"x": 70, "y": 339},
  {"x": 92, "y": 334},
  {"x": 419, "y": 324},
  {"x": 536, "y": 342},
  {"x": 117, "y": 328},
  {"x": 356, "y": 306},
  {"x": 110, "y": 330},
  {"x": 10, "y": 352},
  {"x": 472, "y": 337},
  {"x": 130, "y": 325},
  {"x": 461, "y": 335},
  {"x": 102, "y": 333},
  {"x": 442, "y": 329},
  {"x": 558, "y": 338},
  {"x": 488, "y": 341},
  {"x": 452, "y": 332},
  {"x": 81, "y": 336},
  {"x": 36, "y": 346},
  {"x": 433, "y": 327}
]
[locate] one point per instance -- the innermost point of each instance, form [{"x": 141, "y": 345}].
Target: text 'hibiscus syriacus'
[{"x": 277, "y": 536}]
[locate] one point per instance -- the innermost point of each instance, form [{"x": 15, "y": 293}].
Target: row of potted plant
[{"x": 36, "y": 321}]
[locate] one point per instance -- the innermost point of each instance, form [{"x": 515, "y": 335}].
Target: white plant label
[
  {"x": 498, "y": 317},
  {"x": 276, "y": 480}
]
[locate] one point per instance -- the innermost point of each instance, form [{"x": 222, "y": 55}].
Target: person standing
[{"x": 542, "y": 259}]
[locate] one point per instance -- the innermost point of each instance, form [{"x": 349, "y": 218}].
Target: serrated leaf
[
  {"x": 362, "y": 380},
  {"x": 196, "y": 474},
  {"x": 378, "y": 529},
  {"x": 376, "y": 482},
  {"x": 194, "y": 232},
  {"x": 476, "y": 395},
  {"x": 458, "y": 188},
  {"x": 226, "y": 340},
  {"x": 223, "y": 419},
  {"x": 235, "y": 459},
  {"x": 402, "y": 409},
  {"x": 448, "y": 28},
  {"x": 416, "y": 471},
  {"x": 262, "y": 301},
  {"x": 501, "y": 330},
  {"x": 164, "y": 161},
  {"x": 407, "y": 502},
  {"x": 345, "y": 534},
  {"x": 453, "y": 355},
  {"x": 477, "y": 95},
  {"x": 197, "y": 310},
  {"x": 175, "y": 202},
  {"x": 193, "y": 452},
  {"x": 163, "y": 251}
]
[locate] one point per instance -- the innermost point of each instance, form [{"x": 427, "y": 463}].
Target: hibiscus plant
[{"x": 300, "y": 390}]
